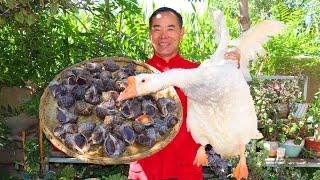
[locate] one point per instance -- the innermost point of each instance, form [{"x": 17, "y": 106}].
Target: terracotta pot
[
  {"x": 272, "y": 147},
  {"x": 312, "y": 144}
]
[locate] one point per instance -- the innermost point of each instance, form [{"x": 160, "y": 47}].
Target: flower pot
[
  {"x": 272, "y": 147},
  {"x": 292, "y": 150},
  {"x": 312, "y": 144},
  {"x": 282, "y": 109}
]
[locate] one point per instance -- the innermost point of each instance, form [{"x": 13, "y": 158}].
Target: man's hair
[{"x": 166, "y": 9}]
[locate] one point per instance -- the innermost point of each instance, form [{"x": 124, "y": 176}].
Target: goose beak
[{"x": 130, "y": 91}]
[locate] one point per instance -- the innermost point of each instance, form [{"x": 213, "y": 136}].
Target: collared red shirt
[{"x": 175, "y": 160}]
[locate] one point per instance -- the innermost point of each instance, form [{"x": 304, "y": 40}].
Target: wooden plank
[
  {"x": 293, "y": 162},
  {"x": 64, "y": 160}
]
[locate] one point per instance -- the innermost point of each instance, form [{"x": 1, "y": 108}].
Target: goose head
[{"x": 140, "y": 85}]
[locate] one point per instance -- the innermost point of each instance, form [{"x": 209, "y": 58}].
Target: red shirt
[{"x": 175, "y": 160}]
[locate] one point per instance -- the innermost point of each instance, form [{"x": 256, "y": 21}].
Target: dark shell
[
  {"x": 171, "y": 121},
  {"x": 121, "y": 75},
  {"x": 130, "y": 69},
  {"x": 148, "y": 108},
  {"x": 66, "y": 101},
  {"x": 70, "y": 128},
  {"x": 121, "y": 85},
  {"x": 92, "y": 95},
  {"x": 57, "y": 89},
  {"x": 67, "y": 73},
  {"x": 113, "y": 146},
  {"x": 83, "y": 108},
  {"x": 111, "y": 66},
  {"x": 64, "y": 116},
  {"x": 106, "y": 108},
  {"x": 72, "y": 80},
  {"x": 80, "y": 72},
  {"x": 160, "y": 126},
  {"x": 110, "y": 96},
  {"x": 99, "y": 85},
  {"x": 126, "y": 109},
  {"x": 151, "y": 133},
  {"x": 59, "y": 132},
  {"x": 117, "y": 119},
  {"x": 78, "y": 92},
  {"x": 93, "y": 67},
  {"x": 78, "y": 142},
  {"x": 105, "y": 75},
  {"x": 98, "y": 135},
  {"x": 85, "y": 81},
  {"x": 127, "y": 134},
  {"x": 86, "y": 128},
  {"x": 138, "y": 127},
  {"x": 166, "y": 106},
  {"x": 136, "y": 107},
  {"x": 145, "y": 140},
  {"x": 109, "y": 85}
]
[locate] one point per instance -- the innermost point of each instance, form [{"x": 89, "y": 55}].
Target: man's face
[{"x": 165, "y": 35}]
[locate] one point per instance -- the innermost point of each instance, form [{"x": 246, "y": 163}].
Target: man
[{"x": 175, "y": 161}]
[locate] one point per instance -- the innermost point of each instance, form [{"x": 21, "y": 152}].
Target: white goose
[{"x": 221, "y": 111}]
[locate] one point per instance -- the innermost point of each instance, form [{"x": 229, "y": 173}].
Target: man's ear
[{"x": 182, "y": 32}]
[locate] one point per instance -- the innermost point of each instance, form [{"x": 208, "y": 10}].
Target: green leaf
[
  {"x": 2, "y": 21},
  {"x": 19, "y": 17},
  {"x": 30, "y": 19},
  {"x": 54, "y": 8},
  {"x": 11, "y": 4}
]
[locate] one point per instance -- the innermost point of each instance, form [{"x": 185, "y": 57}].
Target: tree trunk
[{"x": 244, "y": 19}]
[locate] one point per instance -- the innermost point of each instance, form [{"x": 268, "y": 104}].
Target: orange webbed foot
[
  {"x": 201, "y": 157},
  {"x": 241, "y": 170}
]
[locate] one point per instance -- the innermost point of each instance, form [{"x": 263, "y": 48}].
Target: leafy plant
[
  {"x": 32, "y": 158},
  {"x": 4, "y": 132},
  {"x": 308, "y": 154},
  {"x": 266, "y": 94},
  {"x": 68, "y": 172},
  {"x": 313, "y": 117}
]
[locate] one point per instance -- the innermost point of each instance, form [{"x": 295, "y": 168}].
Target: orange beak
[{"x": 130, "y": 91}]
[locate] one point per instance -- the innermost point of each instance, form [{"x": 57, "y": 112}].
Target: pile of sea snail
[{"x": 91, "y": 90}]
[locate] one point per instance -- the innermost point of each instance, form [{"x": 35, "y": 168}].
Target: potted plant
[
  {"x": 274, "y": 101},
  {"x": 292, "y": 136},
  {"x": 313, "y": 119}
]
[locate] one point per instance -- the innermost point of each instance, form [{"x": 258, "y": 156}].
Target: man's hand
[{"x": 233, "y": 55}]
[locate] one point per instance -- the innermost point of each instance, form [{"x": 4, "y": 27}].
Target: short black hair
[{"x": 166, "y": 9}]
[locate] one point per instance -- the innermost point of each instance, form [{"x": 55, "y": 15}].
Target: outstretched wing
[
  {"x": 251, "y": 42},
  {"x": 222, "y": 38}
]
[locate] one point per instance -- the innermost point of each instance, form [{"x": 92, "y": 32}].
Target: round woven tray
[{"x": 47, "y": 114}]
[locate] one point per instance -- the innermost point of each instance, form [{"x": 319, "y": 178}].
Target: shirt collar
[{"x": 172, "y": 61}]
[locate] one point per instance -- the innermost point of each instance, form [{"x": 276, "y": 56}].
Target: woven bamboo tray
[{"x": 47, "y": 114}]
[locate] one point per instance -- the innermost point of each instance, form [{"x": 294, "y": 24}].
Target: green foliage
[
  {"x": 115, "y": 177},
  {"x": 84, "y": 171},
  {"x": 313, "y": 115},
  {"x": 32, "y": 158},
  {"x": 31, "y": 107},
  {"x": 68, "y": 172},
  {"x": 4, "y": 132},
  {"x": 38, "y": 52},
  {"x": 297, "y": 50},
  {"x": 308, "y": 154},
  {"x": 267, "y": 94}
]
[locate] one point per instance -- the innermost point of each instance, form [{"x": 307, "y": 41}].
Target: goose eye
[{"x": 143, "y": 80}]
